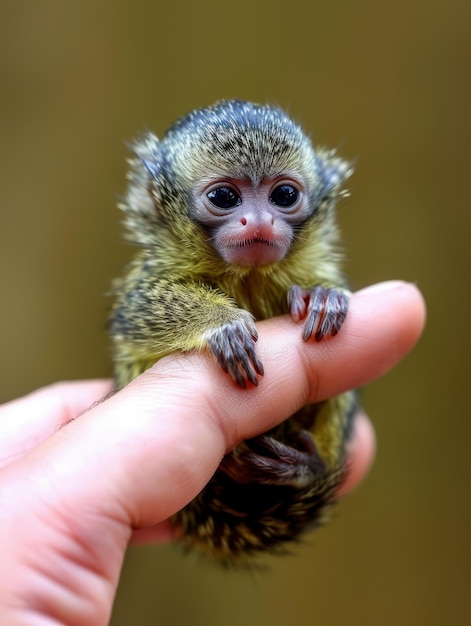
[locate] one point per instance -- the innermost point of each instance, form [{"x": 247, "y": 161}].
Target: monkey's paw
[
  {"x": 324, "y": 310},
  {"x": 233, "y": 344},
  {"x": 266, "y": 461}
]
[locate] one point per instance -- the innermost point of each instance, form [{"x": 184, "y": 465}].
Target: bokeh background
[{"x": 388, "y": 82}]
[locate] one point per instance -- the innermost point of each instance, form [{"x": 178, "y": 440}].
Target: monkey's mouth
[
  {"x": 255, "y": 251},
  {"x": 245, "y": 243}
]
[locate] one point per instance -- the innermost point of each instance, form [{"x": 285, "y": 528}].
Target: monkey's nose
[{"x": 258, "y": 220}]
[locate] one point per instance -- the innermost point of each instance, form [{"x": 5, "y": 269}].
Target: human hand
[{"x": 75, "y": 492}]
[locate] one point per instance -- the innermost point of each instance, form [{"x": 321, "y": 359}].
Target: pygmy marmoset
[{"x": 233, "y": 212}]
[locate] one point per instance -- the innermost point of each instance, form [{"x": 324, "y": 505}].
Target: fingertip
[
  {"x": 361, "y": 451},
  {"x": 406, "y": 294}
]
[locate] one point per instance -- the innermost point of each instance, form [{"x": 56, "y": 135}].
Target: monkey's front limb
[
  {"x": 323, "y": 308},
  {"x": 151, "y": 320}
]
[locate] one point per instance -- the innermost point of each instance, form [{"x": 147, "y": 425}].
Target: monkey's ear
[
  {"x": 147, "y": 150},
  {"x": 333, "y": 171}
]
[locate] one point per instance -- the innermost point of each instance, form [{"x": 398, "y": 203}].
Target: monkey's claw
[
  {"x": 323, "y": 308},
  {"x": 233, "y": 345}
]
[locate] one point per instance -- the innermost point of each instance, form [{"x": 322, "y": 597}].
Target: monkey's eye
[
  {"x": 284, "y": 195},
  {"x": 224, "y": 198}
]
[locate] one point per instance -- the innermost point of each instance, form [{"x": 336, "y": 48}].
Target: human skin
[{"x": 77, "y": 485}]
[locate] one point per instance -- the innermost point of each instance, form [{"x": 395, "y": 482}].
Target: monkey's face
[{"x": 250, "y": 222}]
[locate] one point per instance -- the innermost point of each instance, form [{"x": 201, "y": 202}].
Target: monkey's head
[{"x": 244, "y": 175}]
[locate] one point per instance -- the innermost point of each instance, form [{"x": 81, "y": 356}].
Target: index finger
[{"x": 28, "y": 421}]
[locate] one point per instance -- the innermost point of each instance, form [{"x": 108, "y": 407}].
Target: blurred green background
[{"x": 386, "y": 82}]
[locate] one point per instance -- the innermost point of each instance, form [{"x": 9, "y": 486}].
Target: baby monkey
[{"x": 233, "y": 212}]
